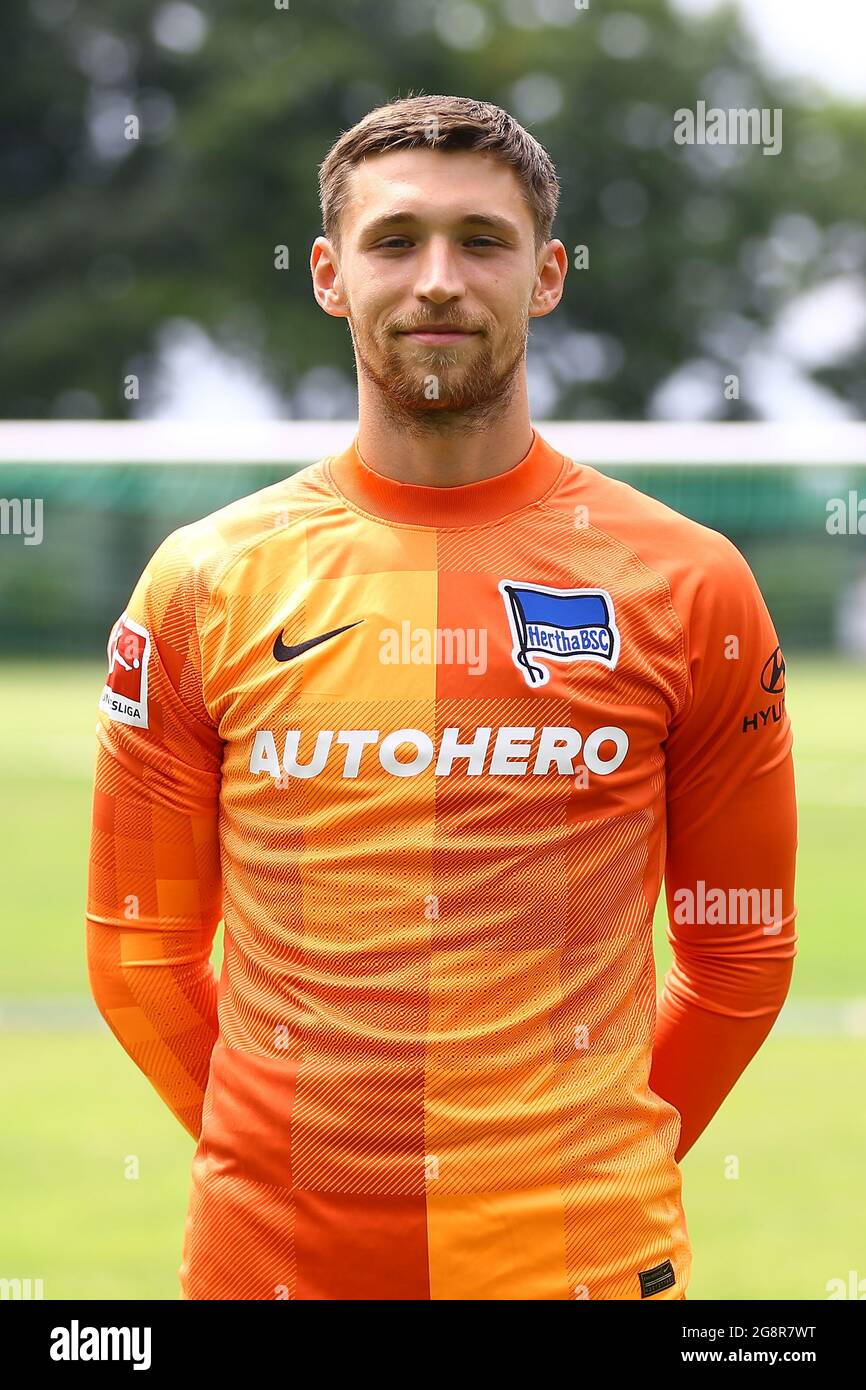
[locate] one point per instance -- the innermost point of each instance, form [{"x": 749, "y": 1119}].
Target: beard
[{"x": 442, "y": 389}]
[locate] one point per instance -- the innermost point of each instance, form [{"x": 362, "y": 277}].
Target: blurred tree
[{"x": 694, "y": 251}]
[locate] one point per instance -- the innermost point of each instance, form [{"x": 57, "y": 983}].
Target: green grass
[
  {"x": 94, "y": 1170},
  {"x": 76, "y": 1108},
  {"x": 794, "y": 1217}
]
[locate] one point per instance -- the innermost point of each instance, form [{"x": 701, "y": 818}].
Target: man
[{"x": 426, "y": 723}]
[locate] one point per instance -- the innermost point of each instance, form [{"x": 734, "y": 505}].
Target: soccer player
[{"x": 426, "y": 724}]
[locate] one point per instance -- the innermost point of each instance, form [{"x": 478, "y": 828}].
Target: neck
[{"x": 440, "y": 448}]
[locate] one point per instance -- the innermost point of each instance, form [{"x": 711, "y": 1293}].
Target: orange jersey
[{"x": 428, "y": 752}]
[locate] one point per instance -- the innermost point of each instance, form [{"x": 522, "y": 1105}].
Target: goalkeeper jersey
[{"x": 428, "y": 753}]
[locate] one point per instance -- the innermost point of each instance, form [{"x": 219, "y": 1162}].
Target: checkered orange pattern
[{"x": 433, "y": 1066}]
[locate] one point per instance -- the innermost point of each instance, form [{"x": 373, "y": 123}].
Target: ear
[
  {"x": 327, "y": 283},
  {"x": 550, "y": 282}
]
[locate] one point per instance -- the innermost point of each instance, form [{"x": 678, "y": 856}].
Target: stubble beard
[{"x": 435, "y": 395}]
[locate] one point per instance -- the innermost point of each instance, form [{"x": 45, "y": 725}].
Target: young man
[{"x": 426, "y": 723}]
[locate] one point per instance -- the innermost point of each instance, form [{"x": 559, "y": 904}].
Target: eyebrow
[{"x": 477, "y": 219}]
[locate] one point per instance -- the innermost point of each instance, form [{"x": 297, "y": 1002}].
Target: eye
[
  {"x": 388, "y": 244},
  {"x": 488, "y": 241}
]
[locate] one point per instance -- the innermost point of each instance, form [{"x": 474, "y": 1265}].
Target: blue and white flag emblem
[{"x": 560, "y": 625}]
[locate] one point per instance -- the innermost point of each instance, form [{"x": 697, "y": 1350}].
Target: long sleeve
[
  {"x": 154, "y": 885},
  {"x": 731, "y": 846}
]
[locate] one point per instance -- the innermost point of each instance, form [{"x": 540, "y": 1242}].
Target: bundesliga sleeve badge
[
  {"x": 124, "y": 696},
  {"x": 560, "y": 625}
]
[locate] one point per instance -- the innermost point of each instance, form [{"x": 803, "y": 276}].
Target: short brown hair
[{"x": 440, "y": 123}]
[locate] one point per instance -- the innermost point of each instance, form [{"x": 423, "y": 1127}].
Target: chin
[{"x": 445, "y": 405}]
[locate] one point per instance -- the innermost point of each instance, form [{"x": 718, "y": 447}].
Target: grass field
[{"x": 76, "y": 1108}]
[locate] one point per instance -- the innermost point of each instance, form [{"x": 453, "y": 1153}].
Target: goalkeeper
[{"x": 434, "y": 1065}]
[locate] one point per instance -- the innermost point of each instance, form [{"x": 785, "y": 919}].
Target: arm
[
  {"x": 154, "y": 885},
  {"x": 731, "y": 826}
]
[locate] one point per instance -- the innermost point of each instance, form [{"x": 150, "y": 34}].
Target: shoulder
[
  {"x": 201, "y": 553},
  {"x": 687, "y": 555}
]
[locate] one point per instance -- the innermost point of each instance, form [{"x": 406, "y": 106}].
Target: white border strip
[{"x": 305, "y": 441}]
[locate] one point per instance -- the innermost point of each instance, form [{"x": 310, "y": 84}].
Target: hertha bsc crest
[{"x": 560, "y": 625}]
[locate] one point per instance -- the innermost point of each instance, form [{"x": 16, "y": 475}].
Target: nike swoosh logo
[{"x": 284, "y": 653}]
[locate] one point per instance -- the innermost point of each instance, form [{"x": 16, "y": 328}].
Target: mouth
[{"x": 439, "y": 336}]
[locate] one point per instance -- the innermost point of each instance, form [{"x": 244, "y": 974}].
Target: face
[{"x": 438, "y": 275}]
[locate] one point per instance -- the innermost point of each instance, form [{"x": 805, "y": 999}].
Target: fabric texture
[{"x": 428, "y": 754}]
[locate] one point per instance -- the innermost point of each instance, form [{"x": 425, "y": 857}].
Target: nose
[{"x": 439, "y": 277}]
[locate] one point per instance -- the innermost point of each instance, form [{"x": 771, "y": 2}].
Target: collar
[{"x": 467, "y": 504}]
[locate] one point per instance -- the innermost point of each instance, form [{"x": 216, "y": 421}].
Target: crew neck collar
[{"x": 468, "y": 504}]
